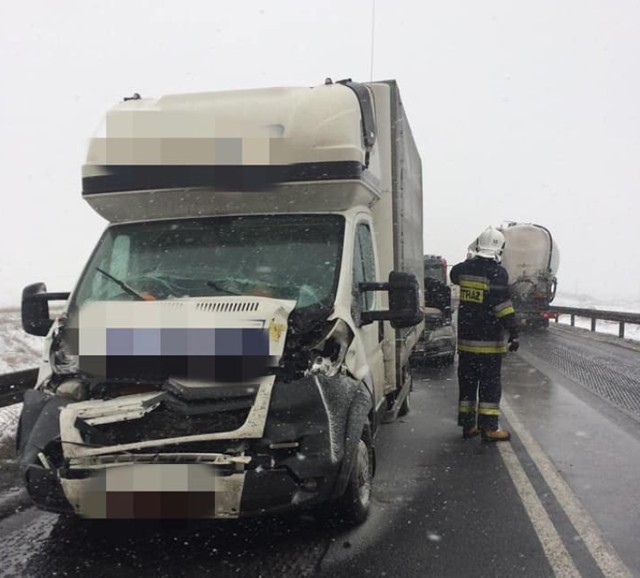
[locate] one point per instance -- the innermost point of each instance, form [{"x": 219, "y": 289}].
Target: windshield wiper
[
  {"x": 122, "y": 284},
  {"x": 215, "y": 285}
]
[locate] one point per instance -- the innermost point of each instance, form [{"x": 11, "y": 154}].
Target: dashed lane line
[
  {"x": 601, "y": 550},
  {"x": 554, "y": 549}
]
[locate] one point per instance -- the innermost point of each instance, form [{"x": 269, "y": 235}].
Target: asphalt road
[{"x": 560, "y": 499}]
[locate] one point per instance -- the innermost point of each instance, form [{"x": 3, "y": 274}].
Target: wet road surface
[{"x": 562, "y": 498}]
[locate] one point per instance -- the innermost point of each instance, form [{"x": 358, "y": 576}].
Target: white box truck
[{"x": 244, "y": 324}]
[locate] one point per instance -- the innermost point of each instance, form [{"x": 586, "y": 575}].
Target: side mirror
[
  {"x": 404, "y": 301},
  {"x": 35, "y": 308}
]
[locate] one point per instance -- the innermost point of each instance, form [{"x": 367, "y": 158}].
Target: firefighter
[{"x": 485, "y": 317}]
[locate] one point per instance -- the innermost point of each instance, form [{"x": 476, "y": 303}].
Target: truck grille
[{"x": 161, "y": 423}]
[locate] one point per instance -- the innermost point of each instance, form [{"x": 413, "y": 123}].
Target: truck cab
[{"x": 244, "y": 324}]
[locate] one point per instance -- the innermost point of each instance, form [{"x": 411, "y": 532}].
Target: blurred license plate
[{"x": 161, "y": 491}]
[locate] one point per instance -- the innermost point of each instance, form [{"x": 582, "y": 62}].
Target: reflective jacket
[{"x": 486, "y": 312}]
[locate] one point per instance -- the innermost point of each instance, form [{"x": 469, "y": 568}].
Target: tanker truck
[
  {"x": 531, "y": 258},
  {"x": 245, "y": 323}
]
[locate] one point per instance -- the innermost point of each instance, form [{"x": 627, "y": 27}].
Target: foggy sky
[{"x": 524, "y": 111}]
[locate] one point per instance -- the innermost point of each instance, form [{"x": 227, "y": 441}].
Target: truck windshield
[
  {"x": 435, "y": 271},
  {"x": 293, "y": 257}
]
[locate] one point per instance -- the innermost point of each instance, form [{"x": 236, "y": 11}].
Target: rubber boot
[{"x": 497, "y": 435}]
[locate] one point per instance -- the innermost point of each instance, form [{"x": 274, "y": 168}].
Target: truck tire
[{"x": 354, "y": 505}]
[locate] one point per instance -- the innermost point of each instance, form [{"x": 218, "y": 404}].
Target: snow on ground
[
  {"x": 8, "y": 423},
  {"x": 18, "y": 350}
]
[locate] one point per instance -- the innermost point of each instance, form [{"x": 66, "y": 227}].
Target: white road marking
[
  {"x": 560, "y": 560},
  {"x": 602, "y": 551}
]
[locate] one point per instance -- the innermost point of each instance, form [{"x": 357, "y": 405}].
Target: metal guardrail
[
  {"x": 596, "y": 314},
  {"x": 13, "y": 385}
]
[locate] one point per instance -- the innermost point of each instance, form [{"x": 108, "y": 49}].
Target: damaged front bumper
[{"x": 104, "y": 459}]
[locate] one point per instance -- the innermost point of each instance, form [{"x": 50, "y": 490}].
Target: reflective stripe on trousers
[
  {"x": 467, "y": 413},
  {"x": 485, "y": 347}
]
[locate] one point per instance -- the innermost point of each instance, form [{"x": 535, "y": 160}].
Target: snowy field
[
  {"x": 631, "y": 331},
  {"x": 586, "y": 302},
  {"x": 18, "y": 351}
]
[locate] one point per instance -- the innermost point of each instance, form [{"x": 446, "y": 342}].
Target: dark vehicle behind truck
[{"x": 438, "y": 340}]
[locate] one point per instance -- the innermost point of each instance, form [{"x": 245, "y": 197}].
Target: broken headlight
[
  {"x": 62, "y": 359},
  {"x": 329, "y": 353}
]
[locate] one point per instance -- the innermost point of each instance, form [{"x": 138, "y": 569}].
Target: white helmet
[{"x": 489, "y": 244}]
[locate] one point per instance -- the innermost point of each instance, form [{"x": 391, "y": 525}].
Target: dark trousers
[{"x": 480, "y": 390}]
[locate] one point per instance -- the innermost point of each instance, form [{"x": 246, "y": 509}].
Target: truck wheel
[{"x": 355, "y": 503}]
